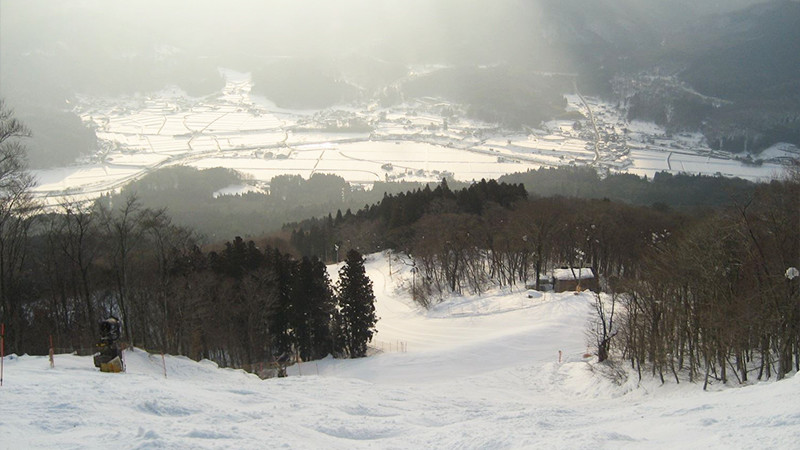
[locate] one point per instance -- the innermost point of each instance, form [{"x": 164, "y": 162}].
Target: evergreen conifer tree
[
  {"x": 280, "y": 326},
  {"x": 311, "y": 310},
  {"x": 356, "y": 318}
]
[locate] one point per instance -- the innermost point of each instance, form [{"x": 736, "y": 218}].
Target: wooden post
[
  {"x": 52, "y": 361},
  {"x": 164, "y": 364},
  {"x": 297, "y": 361},
  {"x": 559, "y": 356},
  {"x": 414, "y": 282},
  {"x": 2, "y": 349}
]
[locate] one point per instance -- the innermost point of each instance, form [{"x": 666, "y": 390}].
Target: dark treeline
[
  {"x": 682, "y": 191},
  {"x": 387, "y": 224},
  {"x": 188, "y": 194},
  {"x": 239, "y": 305},
  {"x": 491, "y": 233}
]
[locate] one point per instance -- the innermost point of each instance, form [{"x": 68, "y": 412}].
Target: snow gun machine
[{"x": 107, "y": 354}]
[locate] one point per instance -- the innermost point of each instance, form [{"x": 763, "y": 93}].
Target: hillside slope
[{"x": 477, "y": 373}]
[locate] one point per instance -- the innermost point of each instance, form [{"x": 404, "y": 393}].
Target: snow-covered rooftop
[{"x": 577, "y": 273}]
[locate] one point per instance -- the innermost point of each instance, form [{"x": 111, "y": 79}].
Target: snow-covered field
[
  {"x": 478, "y": 372},
  {"x": 409, "y": 142}
]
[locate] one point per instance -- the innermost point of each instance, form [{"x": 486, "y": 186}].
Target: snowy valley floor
[{"x": 479, "y": 372}]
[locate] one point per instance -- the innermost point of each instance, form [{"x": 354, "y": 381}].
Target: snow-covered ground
[
  {"x": 248, "y": 133},
  {"x": 477, "y": 372}
]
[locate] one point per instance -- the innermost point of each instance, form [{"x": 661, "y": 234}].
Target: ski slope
[{"x": 478, "y": 372}]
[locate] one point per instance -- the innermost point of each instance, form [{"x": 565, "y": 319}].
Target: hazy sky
[
  {"x": 311, "y": 25},
  {"x": 87, "y": 36}
]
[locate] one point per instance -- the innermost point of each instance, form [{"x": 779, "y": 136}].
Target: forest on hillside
[
  {"x": 238, "y": 304},
  {"x": 188, "y": 195},
  {"x": 711, "y": 293}
]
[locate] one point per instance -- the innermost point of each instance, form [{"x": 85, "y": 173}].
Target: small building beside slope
[{"x": 575, "y": 279}]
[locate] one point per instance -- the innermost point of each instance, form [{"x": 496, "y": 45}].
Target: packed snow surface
[{"x": 476, "y": 372}]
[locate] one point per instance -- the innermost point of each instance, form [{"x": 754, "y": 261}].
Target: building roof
[{"x": 576, "y": 273}]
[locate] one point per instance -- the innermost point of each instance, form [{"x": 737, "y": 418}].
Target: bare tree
[
  {"x": 16, "y": 209},
  {"x": 80, "y": 243},
  {"x": 605, "y": 330},
  {"x": 123, "y": 228}
]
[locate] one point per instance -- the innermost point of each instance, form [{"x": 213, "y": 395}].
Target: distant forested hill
[
  {"x": 735, "y": 76},
  {"x": 499, "y": 94},
  {"x": 187, "y": 193}
]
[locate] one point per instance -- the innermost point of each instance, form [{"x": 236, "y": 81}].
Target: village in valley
[{"x": 423, "y": 139}]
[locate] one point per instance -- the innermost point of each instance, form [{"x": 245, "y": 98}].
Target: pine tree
[
  {"x": 311, "y": 311},
  {"x": 320, "y": 316},
  {"x": 281, "y": 321},
  {"x": 356, "y": 318}
]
